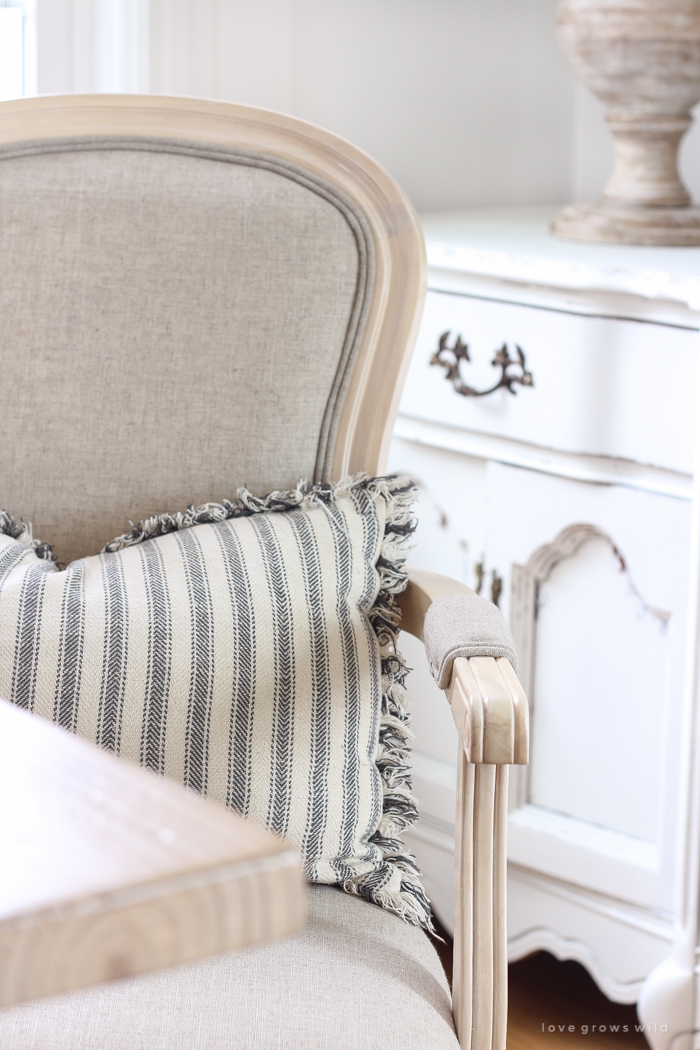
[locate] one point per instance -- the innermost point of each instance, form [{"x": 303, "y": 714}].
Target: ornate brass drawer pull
[{"x": 449, "y": 358}]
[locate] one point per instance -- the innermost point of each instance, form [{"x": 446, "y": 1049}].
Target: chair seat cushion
[{"x": 356, "y": 977}]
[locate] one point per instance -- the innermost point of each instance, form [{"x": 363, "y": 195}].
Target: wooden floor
[{"x": 543, "y": 992}]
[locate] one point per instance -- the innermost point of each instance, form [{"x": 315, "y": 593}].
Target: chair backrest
[{"x": 193, "y": 296}]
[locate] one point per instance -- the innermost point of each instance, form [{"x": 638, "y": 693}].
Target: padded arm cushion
[{"x": 464, "y": 625}]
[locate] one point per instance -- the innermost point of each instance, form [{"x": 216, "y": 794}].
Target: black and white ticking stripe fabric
[{"x": 246, "y": 649}]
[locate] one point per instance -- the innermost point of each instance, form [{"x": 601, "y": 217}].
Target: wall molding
[{"x": 93, "y": 46}]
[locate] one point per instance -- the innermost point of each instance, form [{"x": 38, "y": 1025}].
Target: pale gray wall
[{"x": 466, "y": 102}]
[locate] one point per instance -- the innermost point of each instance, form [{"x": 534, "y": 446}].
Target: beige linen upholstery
[
  {"x": 357, "y": 977},
  {"x": 464, "y": 625},
  {"x": 197, "y": 295},
  {"x": 131, "y": 275}
]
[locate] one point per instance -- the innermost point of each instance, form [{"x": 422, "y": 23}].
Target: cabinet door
[
  {"x": 597, "y": 807},
  {"x": 601, "y": 634}
]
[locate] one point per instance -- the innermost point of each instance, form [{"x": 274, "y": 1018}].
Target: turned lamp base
[
  {"x": 617, "y": 224},
  {"x": 642, "y": 58}
]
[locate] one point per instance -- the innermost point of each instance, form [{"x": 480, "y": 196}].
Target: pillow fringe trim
[
  {"x": 21, "y": 531},
  {"x": 396, "y": 885}
]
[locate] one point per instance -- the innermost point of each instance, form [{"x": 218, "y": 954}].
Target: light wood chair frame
[
  {"x": 488, "y": 703},
  {"x": 490, "y": 710}
]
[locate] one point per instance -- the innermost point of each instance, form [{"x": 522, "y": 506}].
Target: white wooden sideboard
[{"x": 571, "y": 501}]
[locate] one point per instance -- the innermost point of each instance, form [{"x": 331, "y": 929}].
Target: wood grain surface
[{"x": 109, "y": 870}]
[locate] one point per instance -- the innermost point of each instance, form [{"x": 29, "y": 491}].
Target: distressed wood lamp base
[
  {"x": 642, "y": 58},
  {"x": 617, "y": 224}
]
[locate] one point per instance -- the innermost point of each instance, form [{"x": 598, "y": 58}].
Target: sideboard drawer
[{"x": 601, "y": 385}]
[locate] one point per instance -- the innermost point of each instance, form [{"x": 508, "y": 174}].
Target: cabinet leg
[{"x": 665, "y": 1008}]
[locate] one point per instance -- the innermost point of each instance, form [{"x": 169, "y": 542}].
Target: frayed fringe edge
[
  {"x": 21, "y": 531},
  {"x": 399, "y": 808}
]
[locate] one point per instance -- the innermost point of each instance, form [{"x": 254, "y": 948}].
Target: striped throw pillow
[{"x": 248, "y": 650}]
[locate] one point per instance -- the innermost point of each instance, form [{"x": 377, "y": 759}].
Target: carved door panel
[
  {"x": 593, "y": 822},
  {"x": 595, "y": 590}
]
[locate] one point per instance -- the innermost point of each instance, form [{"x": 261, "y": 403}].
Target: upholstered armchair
[{"x": 198, "y": 296}]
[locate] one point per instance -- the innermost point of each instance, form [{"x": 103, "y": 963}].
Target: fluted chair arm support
[
  {"x": 491, "y": 715},
  {"x": 490, "y": 711}
]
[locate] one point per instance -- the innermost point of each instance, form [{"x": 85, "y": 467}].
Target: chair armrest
[
  {"x": 423, "y": 589},
  {"x": 488, "y": 703},
  {"x": 491, "y": 715}
]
